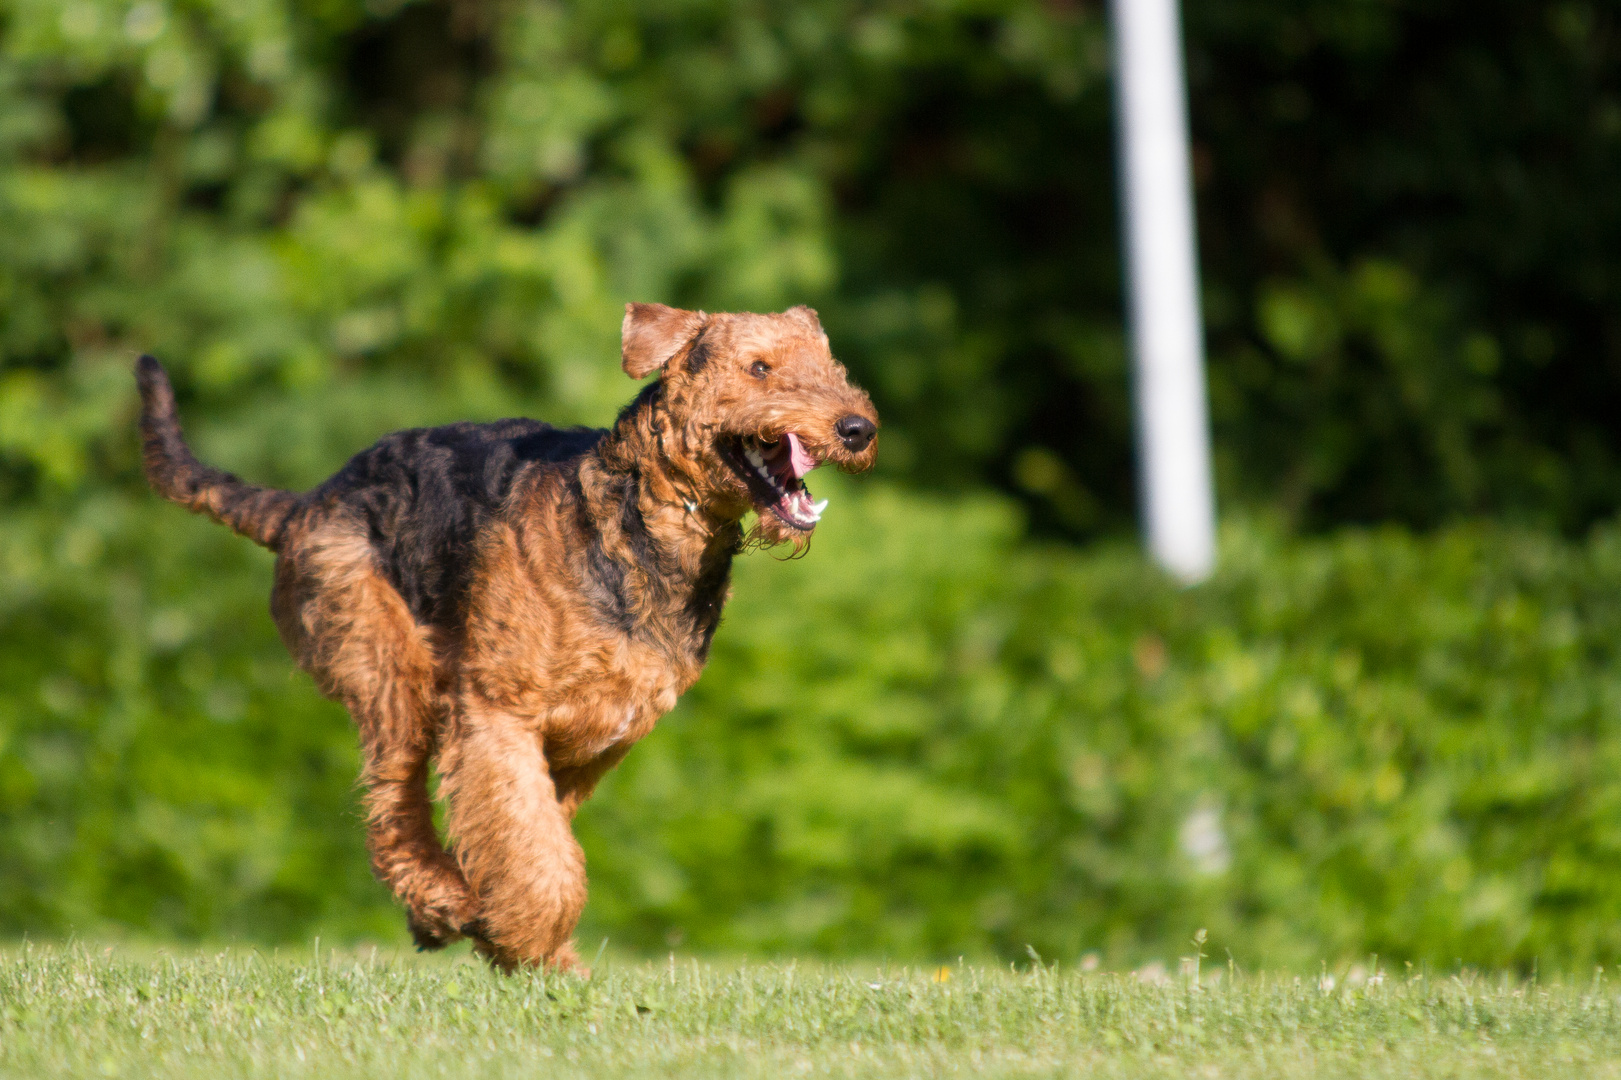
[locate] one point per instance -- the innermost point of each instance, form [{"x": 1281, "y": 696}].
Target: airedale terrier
[{"x": 518, "y": 604}]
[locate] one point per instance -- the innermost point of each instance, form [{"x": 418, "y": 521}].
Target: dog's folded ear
[
  {"x": 808, "y": 317},
  {"x": 652, "y": 333}
]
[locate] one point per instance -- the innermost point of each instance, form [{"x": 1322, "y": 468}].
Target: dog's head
[{"x": 755, "y": 402}]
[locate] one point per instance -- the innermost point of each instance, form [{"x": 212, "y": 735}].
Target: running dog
[{"x": 518, "y": 604}]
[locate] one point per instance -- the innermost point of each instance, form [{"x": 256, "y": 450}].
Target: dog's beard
[{"x": 768, "y": 532}]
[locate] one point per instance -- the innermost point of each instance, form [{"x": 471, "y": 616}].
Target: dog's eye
[{"x": 759, "y": 369}]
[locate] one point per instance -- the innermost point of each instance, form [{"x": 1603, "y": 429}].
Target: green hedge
[
  {"x": 1409, "y": 217},
  {"x": 333, "y": 219},
  {"x": 926, "y": 738}
]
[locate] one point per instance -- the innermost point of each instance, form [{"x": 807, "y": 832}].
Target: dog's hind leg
[
  {"x": 405, "y": 849},
  {"x": 350, "y": 629},
  {"x": 513, "y": 840}
]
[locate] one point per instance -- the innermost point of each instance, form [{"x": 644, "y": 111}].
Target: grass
[{"x": 84, "y": 1012}]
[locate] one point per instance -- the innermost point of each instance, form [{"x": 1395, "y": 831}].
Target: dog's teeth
[
  {"x": 818, "y": 507},
  {"x": 754, "y": 458}
]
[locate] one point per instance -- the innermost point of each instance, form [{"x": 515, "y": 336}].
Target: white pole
[{"x": 1173, "y": 424}]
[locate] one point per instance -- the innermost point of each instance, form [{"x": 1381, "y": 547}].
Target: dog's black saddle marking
[{"x": 425, "y": 493}]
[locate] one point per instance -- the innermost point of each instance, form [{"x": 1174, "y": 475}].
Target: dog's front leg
[{"x": 512, "y": 839}]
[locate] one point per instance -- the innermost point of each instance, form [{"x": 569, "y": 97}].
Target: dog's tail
[{"x": 258, "y": 513}]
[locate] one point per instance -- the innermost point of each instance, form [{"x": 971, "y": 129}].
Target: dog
[{"x": 518, "y": 604}]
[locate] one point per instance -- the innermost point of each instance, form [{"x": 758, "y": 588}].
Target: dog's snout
[{"x": 855, "y": 432}]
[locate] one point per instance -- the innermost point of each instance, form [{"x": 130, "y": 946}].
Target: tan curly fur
[{"x": 521, "y": 633}]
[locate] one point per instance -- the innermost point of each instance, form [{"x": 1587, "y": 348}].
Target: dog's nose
[{"x": 855, "y": 431}]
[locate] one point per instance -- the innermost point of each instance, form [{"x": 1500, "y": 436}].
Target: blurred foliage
[
  {"x": 1410, "y": 214},
  {"x": 927, "y": 738},
  {"x": 333, "y": 219}
]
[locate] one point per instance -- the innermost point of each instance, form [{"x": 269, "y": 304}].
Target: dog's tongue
[{"x": 799, "y": 458}]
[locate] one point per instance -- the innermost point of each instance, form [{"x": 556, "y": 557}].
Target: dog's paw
[
  {"x": 429, "y": 938},
  {"x": 434, "y": 929},
  {"x": 566, "y": 959}
]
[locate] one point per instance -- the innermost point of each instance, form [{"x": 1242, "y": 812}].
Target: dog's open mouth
[{"x": 774, "y": 472}]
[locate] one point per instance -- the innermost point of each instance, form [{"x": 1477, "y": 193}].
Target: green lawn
[{"x": 89, "y": 1011}]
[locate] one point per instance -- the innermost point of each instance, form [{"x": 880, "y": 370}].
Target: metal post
[{"x": 1173, "y": 424}]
